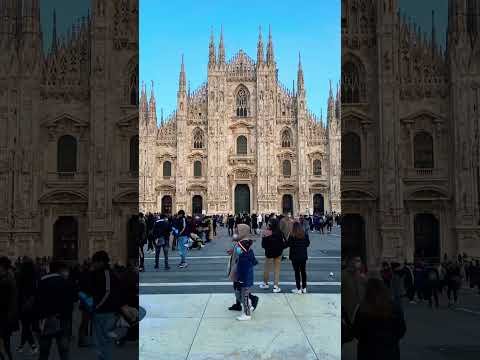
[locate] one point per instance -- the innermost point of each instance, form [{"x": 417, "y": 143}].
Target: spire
[
  {"x": 54, "y": 34},
  {"x": 434, "y": 40},
  {"x": 337, "y": 102},
  {"x": 152, "y": 109},
  {"x": 143, "y": 103},
  {"x": 300, "y": 84},
  {"x": 221, "y": 48},
  {"x": 161, "y": 117},
  {"x": 182, "y": 81},
  {"x": 211, "y": 51},
  {"x": 331, "y": 104},
  {"x": 270, "y": 55},
  {"x": 260, "y": 47}
]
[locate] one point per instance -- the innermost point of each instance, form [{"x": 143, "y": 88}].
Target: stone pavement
[
  {"x": 206, "y": 272},
  {"x": 128, "y": 351},
  {"x": 200, "y": 327},
  {"x": 439, "y": 334}
]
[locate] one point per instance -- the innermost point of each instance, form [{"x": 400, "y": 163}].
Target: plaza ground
[{"x": 187, "y": 315}]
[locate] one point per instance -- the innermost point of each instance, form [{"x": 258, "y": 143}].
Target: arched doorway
[
  {"x": 353, "y": 236},
  {"x": 287, "y": 204},
  {"x": 167, "y": 205},
  {"x": 197, "y": 205},
  {"x": 318, "y": 204},
  {"x": 65, "y": 238},
  {"x": 242, "y": 199},
  {"x": 427, "y": 238}
]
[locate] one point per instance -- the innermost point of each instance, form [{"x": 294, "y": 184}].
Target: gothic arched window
[
  {"x": 287, "y": 168},
  {"x": 242, "y": 148},
  {"x": 197, "y": 168},
  {"x": 167, "y": 169},
  {"x": 317, "y": 167},
  {"x": 198, "y": 139},
  {"x": 423, "y": 150},
  {"x": 242, "y": 98},
  {"x": 134, "y": 153},
  {"x": 67, "y": 154},
  {"x": 353, "y": 83},
  {"x": 351, "y": 152},
  {"x": 286, "y": 138}
]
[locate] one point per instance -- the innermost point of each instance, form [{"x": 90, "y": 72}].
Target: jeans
[
  {"x": 102, "y": 324},
  {"x": 159, "y": 248},
  {"x": 182, "y": 249},
  {"x": 300, "y": 274},
  {"x": 276, "y": 266}
]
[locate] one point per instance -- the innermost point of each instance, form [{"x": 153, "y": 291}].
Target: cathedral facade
[
  {"x": 242, "y": 142},
  {"x": 67, "y": 114},
  {"x": 410, "y": 133}
]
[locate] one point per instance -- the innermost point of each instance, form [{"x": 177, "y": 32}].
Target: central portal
[{"x": 242, "y": 199}]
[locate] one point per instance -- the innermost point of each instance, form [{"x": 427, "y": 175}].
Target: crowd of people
[
  {"x": 373, "y": 303},
  {"x": 160, "y": 233},
  {"x": 39, "y": 299}
]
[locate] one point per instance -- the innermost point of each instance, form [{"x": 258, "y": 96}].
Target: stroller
[{"x": 195, "y": 242}]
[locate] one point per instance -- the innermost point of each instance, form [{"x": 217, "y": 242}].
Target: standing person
[
  {"x": 214, "y": 224},
  {"x": 379, "y": 324},
  {"x": 141, "y": 239},
  {"x": 454, "y": 281},
  {"x": 352, "y": 287},
  {"x": 409, "y": 283},
  {"x": 107, "y": 299},
  {"x": 272, "y": 242},
  {"x": 242, "y": 233},
  {"x": 231, "y": 224},
  {"x": 27, "y": 287},
  {"x": 8, "y": 308},
  {"x": 183, "y": 235},
  {"x": 254, "y": 223},
  {"x": 54, "y": 307},
  {"x": 246, "y": 262},
  {"x": 161, "y": 235},
  {"x": 298, "y": 242},
  {"x": 260, "y": 221},
  {"x": 386, "y": 274},
  {"x": 432, "y": 285}
]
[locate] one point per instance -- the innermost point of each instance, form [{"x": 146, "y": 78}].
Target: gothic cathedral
[
  {"x": 410, "y": 133},
  {"x": 242, "y": 142}
]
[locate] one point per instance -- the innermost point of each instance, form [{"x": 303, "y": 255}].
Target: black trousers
[
  {"x": 7, "y": 354},
  {"x": 300, "y": 273}
]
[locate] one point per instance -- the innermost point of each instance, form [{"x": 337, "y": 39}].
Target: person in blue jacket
[{"x": 246, "y": 262}]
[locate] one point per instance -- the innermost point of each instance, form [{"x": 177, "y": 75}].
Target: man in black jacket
[
  {"x": 161, "y": 236},
  {"x": 54, "y": 308},
  {"x": 108, "y": 299},
  {"x": 8, "y": 307}
]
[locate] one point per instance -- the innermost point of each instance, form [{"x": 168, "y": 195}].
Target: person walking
[
  {"x": 273, "y": 243},
  {"x": 8, "y": 308},
  {"x": 27, "y": 282},
  {"x": 379, "y": 324},
  {"x": 108, "y": 299},
  {"x": 260, "y": 221},
  {"x": 246, "y": 262},
  {"x": 242, "y": 233},
  {"x": 183, "y": 235},
  {"x": 161, "y": 234},
  {"x": 254, "y": 223},
  {"x": 298, "y": 242},
  {"x": 142, "y": 239},
  {"x": 432, "y": 285},
  {"x": 54, "y": 307}
]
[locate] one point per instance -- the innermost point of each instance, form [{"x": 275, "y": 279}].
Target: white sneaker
[
  {"x": 244, "y": 317},
  {"x": 276, "y": 289},
  {"x": 304, "y": 290},
  {"x": 264, "y": 286},
  {"x": 296, "y": 291}
]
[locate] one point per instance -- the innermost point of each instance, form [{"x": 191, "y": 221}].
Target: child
[
  {"x": 246, "y": 262},
  {"x": 242, "y": 231}
]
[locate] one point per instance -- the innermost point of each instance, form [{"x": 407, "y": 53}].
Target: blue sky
[
  {"x": 421, "y": 13},
  {"x": 68, "y": 12},
  {"x": 170, "y": 28}
]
